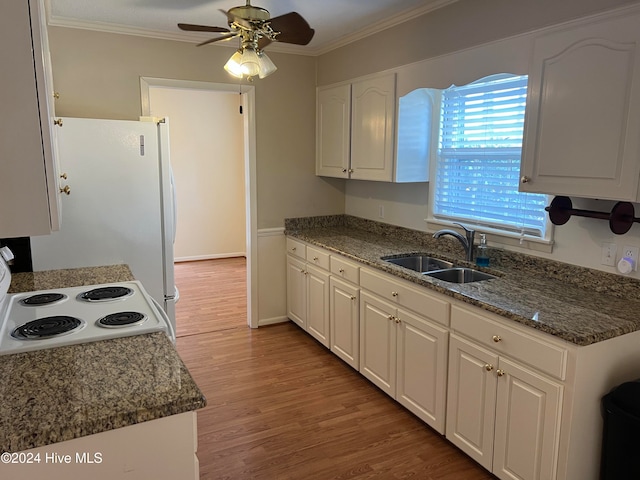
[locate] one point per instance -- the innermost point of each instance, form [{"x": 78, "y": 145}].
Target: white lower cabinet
[
  {"x": 404, "y": 355},
  {"x": 318, "y": 304},
  {"x": 308, "y": 298},
  {"x": 344, "y": 320},
  {"x": 503, "y": 414}
]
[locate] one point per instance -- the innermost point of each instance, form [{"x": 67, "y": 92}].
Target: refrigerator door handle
[{"x": 175, "y": 203}]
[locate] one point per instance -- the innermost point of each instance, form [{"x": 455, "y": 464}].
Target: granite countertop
[
  {"x": 71, "y": 277},
  {"x": 579, "y": 305},
  {"x": 62, "y": 393}
]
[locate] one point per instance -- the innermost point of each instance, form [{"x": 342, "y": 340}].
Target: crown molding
[{"x": 190, "y": 37}]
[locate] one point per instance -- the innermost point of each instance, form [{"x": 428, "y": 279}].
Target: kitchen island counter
[
  {"x": 579, "y": 305},
  {"x": 62, "y": 393}
]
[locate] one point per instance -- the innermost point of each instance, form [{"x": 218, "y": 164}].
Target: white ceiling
[{"x": 336, "y": 22}]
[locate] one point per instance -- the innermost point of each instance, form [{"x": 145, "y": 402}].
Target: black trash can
[{"x": 621, "y": 433}]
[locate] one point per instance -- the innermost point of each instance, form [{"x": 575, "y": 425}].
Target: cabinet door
[
  {"x": 345, "y": 322},
  {"x": 422, "y": 368},
  {"x": 527, "y": 424},
  {"x": 333, "y": 131},
  {"x": 297, "y": 291},
  {"x": 372, "y": 128},
  {"x": 471, "y": 399},
  {"x": 378, "y": 342},
  {"x": 583, "y": 112},
  {"x": 29, "y": 180},
  {"x": 318, "y": 304}
]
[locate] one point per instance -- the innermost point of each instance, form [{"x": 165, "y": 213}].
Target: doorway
[{"x": 196, "y": 111}]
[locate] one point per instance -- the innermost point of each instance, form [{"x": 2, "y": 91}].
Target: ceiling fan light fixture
[
  {"x": 267, "y": 67},
  {"x": 246, "y": 62},
  {"x": 234, "y": 64}
]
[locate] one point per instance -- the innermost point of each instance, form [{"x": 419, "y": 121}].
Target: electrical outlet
[
  {"x": 608, "y": 254},
  {"x": 632, "y": 253}
]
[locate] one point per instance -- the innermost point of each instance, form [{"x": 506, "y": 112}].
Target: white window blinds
[{"x": 478, "y": 161}]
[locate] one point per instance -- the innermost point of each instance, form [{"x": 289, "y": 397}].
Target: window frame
[{"x": 494, "y": 235}]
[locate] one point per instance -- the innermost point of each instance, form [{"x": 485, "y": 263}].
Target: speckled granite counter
[
  {"x": 62, "y": 393},
  {"x": 580, "y": 305},
  {"x": 57, "y": 394},
  {"x": 72, "y": 277}
]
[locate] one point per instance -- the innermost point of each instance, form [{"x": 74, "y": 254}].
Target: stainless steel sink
[
  {"x": 459, "y": 275},
  {"x": 419, "y": 263}
]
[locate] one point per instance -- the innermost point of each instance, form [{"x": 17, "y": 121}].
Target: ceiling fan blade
[
  {"x": 263, "y": 42},
  {"x": 201, "y": 28},
  {"x": 235, "y": 19},
  {"x": 226, "y": 36},
  {"x": 293, "y": 29}
]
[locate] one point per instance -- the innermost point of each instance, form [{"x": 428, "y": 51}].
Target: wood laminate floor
[{"x": 281, "y": 406}]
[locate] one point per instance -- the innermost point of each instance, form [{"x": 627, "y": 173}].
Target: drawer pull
[
  {"x": 398, "y": 320},
  {"x": 353, "y": 297},
  {"x": 394, "y": 294},
  {"x": 497, "y": 338},
  {"x": 294, "y": 249},
  {"x": 341, "y": 270},
  {"x": 500, "y": 372},
  {"x": 488, "y": 367},
  {"x": 315, "y": 259},
  {"x": 391, "y": 317}
]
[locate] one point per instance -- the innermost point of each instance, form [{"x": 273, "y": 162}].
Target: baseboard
[
  {"x": 214, "y": 256},
  {"x": 272, "y": 321}
]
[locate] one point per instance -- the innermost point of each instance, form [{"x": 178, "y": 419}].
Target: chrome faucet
[{"x": 467, "y": 243}]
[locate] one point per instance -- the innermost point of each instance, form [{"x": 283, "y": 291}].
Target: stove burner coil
[
  {"x": 122, "y": 319},
  {"x": 102, "y": 294},
  {"x": 47, "y": 327},
  {"x": 42, "y": 299}
]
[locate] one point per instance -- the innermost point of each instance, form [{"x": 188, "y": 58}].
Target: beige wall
[
  {"x": 460, "y": 25},
  {"x": 207, "y": 155},
  {"x": 97, "y": 75}
]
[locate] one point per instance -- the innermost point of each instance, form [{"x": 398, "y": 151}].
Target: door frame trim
[{"x": 247, "y": 93}]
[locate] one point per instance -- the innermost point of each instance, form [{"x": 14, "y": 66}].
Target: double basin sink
[{"x": 440, "y": 269}]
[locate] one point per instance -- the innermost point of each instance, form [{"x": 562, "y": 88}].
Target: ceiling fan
[{"x": 256, "y": 29}]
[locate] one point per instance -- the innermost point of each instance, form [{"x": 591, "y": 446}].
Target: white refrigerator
[{"x": 121, "y": 204}]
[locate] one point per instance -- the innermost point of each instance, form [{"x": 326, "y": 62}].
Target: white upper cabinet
[
  {"x": 356, "y": 131},
  {"x": 29, "y": 196},
  {"x": 583, "y": 111},
  {"x": 372, "y": 128},
  {"x": 333, "y": 131}
]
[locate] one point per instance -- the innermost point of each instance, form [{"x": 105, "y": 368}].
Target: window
[{"x": 478, "y": 158}]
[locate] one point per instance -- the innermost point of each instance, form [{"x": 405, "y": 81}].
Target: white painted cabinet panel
[
  {"x": 318, "y": 304},
  {"x": 378, "y": 342},
  {"x": 29, "y": 198},
  {"x": 372, "y": 128},
  {"x": 422, "y": 368},
  {"x": 471, "y": 399},
  {"x": 344, "y": 301},
  {"x": 297, "y": 291},
  {"x": 527, "y": 424},
  {"x": 333, "y": 131},
  {"x": 583, "y": 112}
]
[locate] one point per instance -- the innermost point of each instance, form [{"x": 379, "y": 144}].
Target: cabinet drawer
[
  {"x": 401, "y": 293},
  {"x": 317, "y": 257},
  {"x": 296, "y": 248},
  {"x": 344, "y": 269},
  {"x": 544, "y": 356}
]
